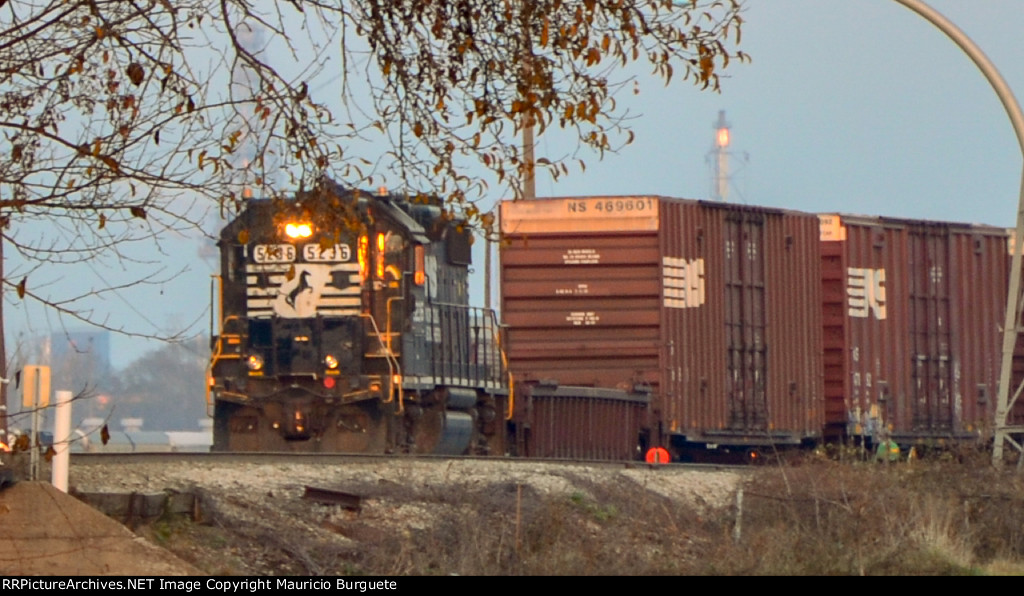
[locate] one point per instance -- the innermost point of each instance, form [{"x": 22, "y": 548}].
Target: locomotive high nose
[{"x": 329, "y": 340}]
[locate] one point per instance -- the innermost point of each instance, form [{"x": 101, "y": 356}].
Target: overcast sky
[{"x": 856, "y": 106}]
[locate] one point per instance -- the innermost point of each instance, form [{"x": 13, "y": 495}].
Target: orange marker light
[
  {"x": 420, "y": 276},
  {"x": 364, "y": 249}
]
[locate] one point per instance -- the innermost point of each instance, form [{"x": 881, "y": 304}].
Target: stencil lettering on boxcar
[
  {"x": 865, "y": 291},
  {"x": 580, "y": 318},
  {"x": 581, "y": 256},
  {"x": 577, "y": 290},
  {"x": 683, "y": 282}
]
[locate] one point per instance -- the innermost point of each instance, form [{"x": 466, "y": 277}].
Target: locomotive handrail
[
  {"x": 480, "y": 317},
  {"x": 401, "y": 379},
  {"x": 500, "y": 341},
  {"x": 391, "y": 360},
  {"x": 218, "y": 344},
  {"x": 218, "y": 355},
  {"x": 214, "y": 286}
]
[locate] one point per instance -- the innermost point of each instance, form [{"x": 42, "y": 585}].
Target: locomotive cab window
[
  {"x": 390, "y": 257},
  {"x": 459, "y": 243}
]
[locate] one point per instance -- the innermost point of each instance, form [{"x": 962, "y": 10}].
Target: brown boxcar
[
  {"x": 913, "y": 314},
  {"x": 713, "y": 308}
]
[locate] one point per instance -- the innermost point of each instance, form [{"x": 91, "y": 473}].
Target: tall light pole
[
  {"x": 720, "y": 191},
  {"x": 1011, "y": 327}
]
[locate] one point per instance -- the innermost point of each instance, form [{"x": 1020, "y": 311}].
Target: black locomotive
[{"x": 342, "y": 324}]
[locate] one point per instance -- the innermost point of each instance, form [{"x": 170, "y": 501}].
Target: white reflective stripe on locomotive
[
  {"x": 312, "y": 289},
  {"x": 275, "y": 281}
]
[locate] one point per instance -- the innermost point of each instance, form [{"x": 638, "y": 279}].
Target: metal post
[
  {"x": 33, "y": 458},
  {"x": 487, "y": 270},
  {"x": 529, "y": 181},
  {"x": 1011, "y": 327},
  {"x": 3, "y": 359},
  {"x": 61, "y": 441}
]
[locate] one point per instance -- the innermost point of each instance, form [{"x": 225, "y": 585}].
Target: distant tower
[
  {"x": 723, "y": 173},
  {"x": 720, "y": 158}
]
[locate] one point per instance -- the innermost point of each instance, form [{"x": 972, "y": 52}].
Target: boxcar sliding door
[{"x": 745, "y": 321}]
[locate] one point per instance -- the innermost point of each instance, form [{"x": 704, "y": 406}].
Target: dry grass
[
  {"x": 818, "y": 518},
  {"x": 934, "y": 518}
]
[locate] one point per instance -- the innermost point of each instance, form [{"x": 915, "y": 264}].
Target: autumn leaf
[
  {"x": 111, "y": 163},
  {"x": 137, "y": 211},
  {"x": 707, "y": 66},
  {"x": 105, "y": 434},
  {"x": 136, "y": 74},
  {"x": 243, "y": 237},
  {"x": 21, "y": 287},
  {"x": 103, "y": 221},
  {"x": 290, "y": 274}
]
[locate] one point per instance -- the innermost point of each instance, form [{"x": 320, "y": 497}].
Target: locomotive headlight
[
  {"x": 330, "y": 362},
  {"x": 255, "y": 362},
  {"x": 298, "y": 229}
]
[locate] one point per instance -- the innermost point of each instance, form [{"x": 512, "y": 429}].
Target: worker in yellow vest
[{"x": 888, "y": 450}]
